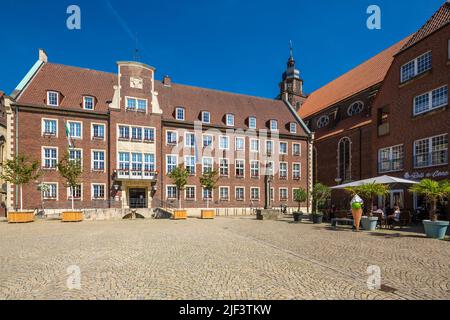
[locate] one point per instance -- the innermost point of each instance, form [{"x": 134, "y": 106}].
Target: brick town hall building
[{"x": 130, "y": 130}]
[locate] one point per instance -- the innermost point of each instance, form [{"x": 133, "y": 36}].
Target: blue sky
[{"x": 233, "y": 45}]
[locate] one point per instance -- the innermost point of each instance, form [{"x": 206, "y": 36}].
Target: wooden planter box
[
  {"x": 72, "y": 216},
  {"x": 179, "y": 215},
  {"x": 20, "y": 217},
  {"x": 208, "y": 214}
]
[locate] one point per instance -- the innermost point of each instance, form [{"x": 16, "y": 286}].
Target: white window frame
[
  {"x": 57, "y": 98},
  {"x": 258, "y": 144},
  {"x": 203, "y": 117},
  {"x": 183, "y": 111},
  {"x": 250, "y": 123},
  {"x": 287, "y": 170},
  {"x": 43, "y": 127},
  {"x": 167, "y": 192},
  {"x": 203, "y": 140},
  {"x": 236, "y": 144},
  {"x": 194, "y": 166},
  {"x": 203, "y": 163},
  {"x": 43, "y": 157},
  {"x": 228, "y": 167},
  {"x": 81, "y": 129},
  {"x": 251, "y": 193},
  {"x": 93, "y": 193},
  {"x": 81, "y": 153},
  {"x": 227, "y": 138},
  {"x": 136, "y": 103},
  {"x": 323, "y": 121},
  {"x": 57, "y": 191},
  {"x": 92, "y": 131},
  {"x": 273, "y": 125},
  {"x": 266, "y": 149},
  {"x": 143, "y": 134},
  {"x": 84, "y": 102},
  {"x": 235, "y": 167},
  {"x": 235, "y": 193},
  {"x": 186, "y": 134},
  {"x": 293, "y": 128},
  {"x": 391, "y": 148},
  {"x": 430, "y": 101},
  {"x": 252, "y": 162},
  {"x": 416, "y": 67},
  {"x": 227, "y": 117},
  {"x": 287, "y": 194},
  {"x": 299, "y": 149},
  {"x": 220, "y": 193},
  {"x": 195, "y": 193},
  {"x": 69, "y": 196},
  {"x": 203, "y": 194},
  {"x": 167, "y": 161},
  {"x": 287, "y": 147},
  {"x": 299, "y": 171},
  {"x": 93, "y": 160},
  {"x": 166, "y": 138},
  {"x": 430, "y": 146}
]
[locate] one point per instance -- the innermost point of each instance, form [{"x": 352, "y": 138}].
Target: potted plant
[
  {"x": 70, "y": 170},
  {"x": 321, "y": 194},
  {"x": 300, "y": 196},
  {"x": 434, "y": 192},
  {"x": 209, "y": 181},
  {"x": 179, "y": 177},
  {"x": 369, "y": 192},
  {"x": 20, "y": 171}
]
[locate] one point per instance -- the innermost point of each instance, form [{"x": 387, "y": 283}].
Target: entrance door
[
  {"x": 397, "y": 198},
  {"x": 138, "y": 198}
]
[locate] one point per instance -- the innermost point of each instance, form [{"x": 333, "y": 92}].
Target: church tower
[{"x": 291, "y": 88}]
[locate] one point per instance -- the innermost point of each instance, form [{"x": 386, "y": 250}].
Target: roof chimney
[
  {"x": 167, "y": 81},
  {"x": 43, "y": 56}
]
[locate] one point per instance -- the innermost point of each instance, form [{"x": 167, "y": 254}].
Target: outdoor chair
[
  {"x": 404, "y": 220},
  {"x": 381, "y": 221}
]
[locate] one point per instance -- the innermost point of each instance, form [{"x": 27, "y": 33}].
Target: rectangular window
[
  {"x": 273, "y": 125},
  {"x": 416, "y": 67},
  {"x": 76, "y": 192},
  {"x": 207, "y": 165},
  {"x": 431, "y": 151},
  {"x": 171, "y": 192},
  {"x": 254, "y": 192},
  {"x": 136, "y": 134},
  {"x": 171, "y": 163},
  {"x": 136, "y": 164},
  {"x": 53, "y": 98},
  {"x": 224, "y": 193},
  {"x": 296, "y": 149},
  {"x": 190, "y": 164},
  {"x": 240, "y": 144},
  {"x": 284, "y": 194},
  {"x": 296, "y": 171},
  {"x": 431, "y": 100},
  {"x": 141, "y": 105},
  {"x": 75, "y": 154},
  {"x": 189, "y": 193},
  {"x": 252, "y": 123},
  {"x": 98, "y": 160},
  {"x": 254, "y": 145},
  {"x": 124, "y": 161},
  {"x": 254, "y": 168},
  {"x": 171, "y": 137},
  {"x": 224, "y": 167},
  {"x": 131, "y": 104},
  {"x": 75, "y": 129},
  {"x": 240, "y": 193},
  {"x": 207, "y": 140},
  {"x": 293, "y": 128},
  {"x": 283, "y": 170},
  {"x": 124, "y": 133},
  {"x": 207, "y": 194},
  {"x": 224, "y": 143},
  {"x": 391, "y": 159},
  {"x": 50, "y": 158},
  {"x": 240, "y": 168},
  {"x": 149, "y": 135},
  {"x": 149, "y": 163},
  {"x": 49, "y": 127},
  {"x": 206, "y": 117},
  {"x": 98, "y": 191},
  {"x": 189, "y": 140},
  {"x": 98, "y": 131},
  {"x": 50, "y": 191},
  {"x": 179, "y": 114},
  {"x": 229, "y": 120},
  {"x": 88, "y": 103},
  {"x": 283, "y": 148},
  {"x": 269, "y": 147}
]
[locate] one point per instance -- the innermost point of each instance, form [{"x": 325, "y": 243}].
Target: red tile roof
[
  {"x": 356, "y": 80},
  {"x": 440, "y": 19}
]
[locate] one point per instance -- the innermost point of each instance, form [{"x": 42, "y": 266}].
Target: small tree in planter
[
  {"x": 179, "y": 177},
  {"x": 208, "y": 181},
  {"x": 19, "y": 171},
  {"x": 434, "y": 192},
  {"x": 300, "y": 196},
  {"x": 321, "y": 195},
  {"x": 70, "y": 170},
  {"x": 368, "y": 192}
]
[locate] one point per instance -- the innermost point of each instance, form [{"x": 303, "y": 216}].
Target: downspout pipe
[{"x": 17, "y": 153}]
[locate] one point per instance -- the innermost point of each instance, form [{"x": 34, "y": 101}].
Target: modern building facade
[{"x": 130, "y": 131}]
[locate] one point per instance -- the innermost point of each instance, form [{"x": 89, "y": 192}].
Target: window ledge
[
  {"x": 431, "y": 166},
  {"x": 430, "y": 112},
  {"x": 420, "y": 76}
]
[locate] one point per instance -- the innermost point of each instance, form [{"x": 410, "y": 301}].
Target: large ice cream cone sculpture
[{"x": 357, "y": 204}]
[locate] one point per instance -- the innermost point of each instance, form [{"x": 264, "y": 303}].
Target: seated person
[
  {"x": 378, "y": 210},
  {"x": 395, "y": 216}
]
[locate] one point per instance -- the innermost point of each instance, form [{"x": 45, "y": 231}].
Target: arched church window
[
  {"x": 355, "y": 108},
  {"x": 323, "y": 121},
  {"x": 344, "y": 159}
]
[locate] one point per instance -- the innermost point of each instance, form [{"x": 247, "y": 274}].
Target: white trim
[
  {"x": 287, "y": 147},
  {"x": 165, "y": 137},
  {"x": 92, "y": 191},
  {"x": 84, "y": 102},
  {"x": 235, "y": 167},
  {"x": 167, "y": 191},
  {"x": 57, "y": 191},
  {"x": 81, "y": 129},
  {"x": 295, "y": 127},
  {"x": 203, "y": 163},
  {"x": 287, "y": 169},
  {"x": 104, "y": 159},
  {"x": 429, "y": 151},
  {"x": 300, "y": 149},
  {"x": 235, "y": 143},
  {"x": 259, "y": 169},
  {"x": 212, "y": 140},
  {"x": 57, "y": 98},
  {"x": 69, "y": 197},
  {"x": 203, "y": 194},
  {"x": 43, "y": 157},
  {"x": 220, "y": 142},
  {"x": 92, "y": 131},
  {"x": 220, "y": 194},
  {"x": 137, "y": 103},
  {"x": 82, "y": 156},
  {"x": 43, "y": 126},
  {"x": 226, "y": 119},
  {"x": 256, "y": 123},
  {"x": 251, "y": 193},
  {"x": 167, "y": 162},
  {"x": 184, "y": 113},
  {"x": 235, "y": 189},
  {"x": 251, "y": 145},
  {"x": 430, "y": 101},
  {"x": 300, "y": 170},
  {"x": 416, "y": 67},
  {"x": 185, "y": 139},
  {"x": 195, "y": 193},
  {"x": 195, "y": 164},
  {"x": 287, "y": 193},
  {"x": 209, "y": 114}
]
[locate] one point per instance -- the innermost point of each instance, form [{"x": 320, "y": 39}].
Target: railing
[
  {"x": 390, "y": 165},
  {"x": 129, "y": 174},
  {"x": 431, "y": 159}
]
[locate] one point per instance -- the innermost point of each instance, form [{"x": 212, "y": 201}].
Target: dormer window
[
  {"x": 229, "y": 120},
  {"x": 53, "y": 98},
  {"x": 206, "y": 117},
  {"x": 323, "y": 121},
  {"x": 293, "y": 127},
  {"x": 179, "y": 113},
  {"x": 252, "y": 122},
  {"x": 355, "y": 108},
  {"x": 273, "y": 125},
  {"x": 88, "y": 103}
]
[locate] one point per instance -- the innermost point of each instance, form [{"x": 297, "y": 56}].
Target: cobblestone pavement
[{"x": 227, "y": 258}]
